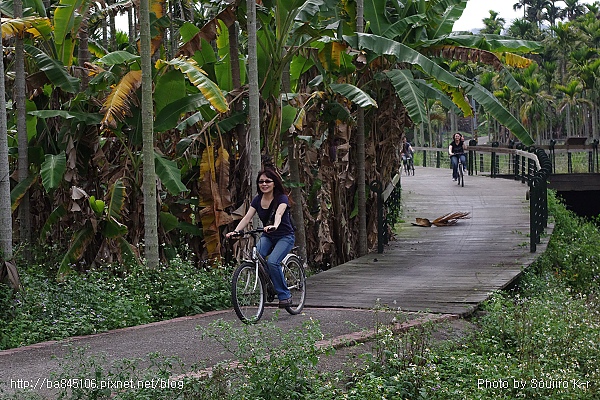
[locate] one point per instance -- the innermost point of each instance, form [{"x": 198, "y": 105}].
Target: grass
[{"x": 105, "y": 298}]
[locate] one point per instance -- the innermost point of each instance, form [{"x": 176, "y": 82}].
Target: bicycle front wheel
[
  {"x": 248, "y": 293},
  {"x": 295, "y": 278},
  {"x": 461, "y": 175}
]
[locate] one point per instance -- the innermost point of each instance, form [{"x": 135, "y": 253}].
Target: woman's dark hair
[{"x": 278, "y": 188}]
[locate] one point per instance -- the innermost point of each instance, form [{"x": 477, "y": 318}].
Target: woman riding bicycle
[
  {"x": 407, "y": 151},
  {"x": 272, "y": 203},
  {"x": 457, "y": 149}
]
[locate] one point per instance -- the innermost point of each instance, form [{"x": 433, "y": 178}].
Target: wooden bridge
[{"x": 448, "y": 270}]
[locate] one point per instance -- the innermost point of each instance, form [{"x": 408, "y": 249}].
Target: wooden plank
[
  {"x": 574, "y": 182},
  {"x": 438, "y": 269}
]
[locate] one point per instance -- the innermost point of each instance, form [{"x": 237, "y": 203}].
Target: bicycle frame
[{"x": 253, "y": 275}]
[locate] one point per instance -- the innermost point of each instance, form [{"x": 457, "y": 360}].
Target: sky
[{"x": 477, "y": 10}]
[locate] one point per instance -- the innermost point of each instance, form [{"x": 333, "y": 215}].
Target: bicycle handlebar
[{"x": 240, "y": 234}]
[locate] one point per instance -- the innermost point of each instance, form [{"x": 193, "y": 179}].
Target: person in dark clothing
[
  {"x": 457, "y": 149},
  {"x": 272, "y": 206}
]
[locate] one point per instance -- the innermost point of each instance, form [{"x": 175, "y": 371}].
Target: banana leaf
[
  {"x": 117, "y": 199},
  {"x": 354, "y": 94},
  {"x": 54, "y": 70},
  {"x": 169, "y": 175},
  {"x": 18, "y": 192},
  {"x": 54, "y": 217},
  {"x": 491, "y": 105},
  {"x": 199, "y": 79},
  {"x": 168, "y": 117},
  {"x": 52, "y": 170},
  {"x": 79, "y": 243},
  {"x": 409, "y": 93},
  {"x": 118, "y": 57}
]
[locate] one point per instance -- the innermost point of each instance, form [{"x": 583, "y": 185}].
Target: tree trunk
[
  {"x": 6, "y": 248},
  {"x": 294, "y": 163},
  {"x": 83, "y": 52},
  {"x": 149, "y": 175},
  {"x": 23, "y": 143},
  {"x": 254, "y": 97},
  {"x": 236, "y": 82},
  {"x": 361, "y": 187},
  {"x": 131, "y": 25}
]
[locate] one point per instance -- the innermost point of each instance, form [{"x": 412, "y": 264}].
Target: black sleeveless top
[{"x": 457, "y": 148}]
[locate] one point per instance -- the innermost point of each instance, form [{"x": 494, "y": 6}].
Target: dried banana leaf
[{"x": 450, "y": 218}]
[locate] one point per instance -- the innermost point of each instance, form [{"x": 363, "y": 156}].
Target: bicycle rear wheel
[
  {"x": 293, "y": 271},
  {"x": 248, "y": 293}
]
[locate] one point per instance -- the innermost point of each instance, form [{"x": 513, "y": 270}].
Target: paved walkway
[{"x": 445, "y": 270}]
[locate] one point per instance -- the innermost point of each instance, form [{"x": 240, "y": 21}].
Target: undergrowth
[{"x": 105, "y": 298}]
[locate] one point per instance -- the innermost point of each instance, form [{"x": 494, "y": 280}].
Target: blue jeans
[
  {"x": 276, "y": 250},
  {"x": 454, "y": 160}
]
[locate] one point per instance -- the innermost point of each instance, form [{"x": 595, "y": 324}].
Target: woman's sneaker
[{"x": 285, "y": 303}]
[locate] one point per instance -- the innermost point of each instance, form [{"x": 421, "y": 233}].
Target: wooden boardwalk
[{"x": 446, "y": 270}]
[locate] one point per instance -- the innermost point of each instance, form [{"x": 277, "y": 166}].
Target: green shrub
[
  {"x": 541, "y": 340},
  {"x": 106, "y": 298}
]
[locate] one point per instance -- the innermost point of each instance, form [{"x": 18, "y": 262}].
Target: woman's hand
[
  {"x": 233, "y": 233},
  {"x": 269, "y": 228}
]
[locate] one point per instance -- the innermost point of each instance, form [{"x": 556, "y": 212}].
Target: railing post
[
  {"x": 481, "y": 169},
  {"x": 522, "y": 168},
  {"x": 569, "y": 162},
  {"x": 424, "y": 158},
  {"x": 595, "y": 156},
  {"x": 553, "y": 155},
  {"x": 471, "y": 160},
  {"x": 493, "y": 167},
  {"x": 377, "y": 187}
]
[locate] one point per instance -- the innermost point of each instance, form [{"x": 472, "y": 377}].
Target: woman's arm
[
  {"x": 243, "y": 222},
  {"x": 278, "y": 215}
]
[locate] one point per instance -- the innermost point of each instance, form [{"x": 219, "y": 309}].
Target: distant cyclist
[
  {"x": 407, "y": 151},
  {"x": 457, "y": 149}
]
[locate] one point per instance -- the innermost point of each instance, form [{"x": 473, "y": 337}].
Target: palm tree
[
  {"x": 521, "y": 4},
  {"x": 254, "y": 95},
  {"x": 572, "y": 99},
  {"x": 149, "y": 180},
  {"x": 535, "y": 103},
  {"x": 23, "y": 142},
  {"x": 493, "y": 24},
  {"x": 552, "y": 12},
  {"x": 572, "y": 9},
  {"x": 360, "y": 156},
  {"x": 524, "y": 29},
  {"x": 6, "y": 249},
  {"x": 536, "y": 11}
]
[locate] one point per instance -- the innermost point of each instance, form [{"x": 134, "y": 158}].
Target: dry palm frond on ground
[{"x": 444, "y": 220}]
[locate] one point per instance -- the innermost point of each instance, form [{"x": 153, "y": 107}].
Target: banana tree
[
  {"x": 424, "y": 29},
  {"x": 103, "y": 231}
]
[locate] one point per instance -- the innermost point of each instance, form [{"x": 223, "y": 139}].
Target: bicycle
[
  {"x": 460, "y": 170},
  {"x": 252, "y": 289},
  {"x": 409, "y": 165}
]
